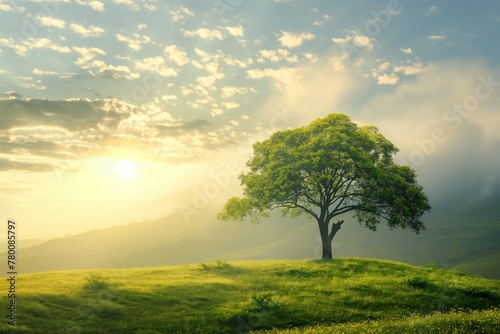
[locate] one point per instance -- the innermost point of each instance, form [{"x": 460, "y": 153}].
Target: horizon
[{"x": 126, "y": 111}]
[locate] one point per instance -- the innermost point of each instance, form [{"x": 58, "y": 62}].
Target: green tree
[{"x": 327, "y": 169}]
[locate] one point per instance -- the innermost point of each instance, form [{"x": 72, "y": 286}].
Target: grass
[{"x": 309, "y": 296}]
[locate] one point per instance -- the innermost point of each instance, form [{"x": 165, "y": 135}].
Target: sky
[{"x": 124, "y": 110}]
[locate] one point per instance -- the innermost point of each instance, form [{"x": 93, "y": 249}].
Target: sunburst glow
[{"x": 126, "y": 169}]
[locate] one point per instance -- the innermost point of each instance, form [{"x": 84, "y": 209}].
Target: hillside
[
  {"x": 462, "y": 237},
  {"x": 345, "y": 295}
]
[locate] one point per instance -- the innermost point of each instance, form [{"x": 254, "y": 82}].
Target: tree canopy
[{"x": 327, "y": 169}]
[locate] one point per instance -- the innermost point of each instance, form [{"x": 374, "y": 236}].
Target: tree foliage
[{"x": 327, "y": 169}]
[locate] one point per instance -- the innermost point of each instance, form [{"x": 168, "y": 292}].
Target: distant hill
[{"x": 465, "y": 237}]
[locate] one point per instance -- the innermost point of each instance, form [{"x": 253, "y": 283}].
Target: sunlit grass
[{"x": 222, "y": 297}]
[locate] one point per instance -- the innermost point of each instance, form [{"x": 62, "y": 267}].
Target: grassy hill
[{"x": 348, "y": 295}]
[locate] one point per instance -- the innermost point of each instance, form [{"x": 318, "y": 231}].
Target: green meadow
[{"x": 346, "y": 295}]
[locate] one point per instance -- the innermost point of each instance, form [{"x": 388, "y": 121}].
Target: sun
[{"x": 126, "y": 169}]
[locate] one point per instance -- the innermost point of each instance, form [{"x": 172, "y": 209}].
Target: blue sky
[{"x": 176, "y": 90}]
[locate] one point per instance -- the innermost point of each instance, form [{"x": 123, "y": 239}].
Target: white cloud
[
  {"x": 293, "y": 40},
  {"x": 407, "y": 51},
  {"x": 91, "y": 31},
  {"x": 169, "y": 97},
  {"x": 186, "y": 91},
  {"x": 18, "y": 48},
  {"x": 236, "y": 30},
  {"x": 37, "y": 71},
  {"x": 94, "y": 4},
  {"x": 276, "y": 56},
  {"x": 216, "y": 112},
  {"x": 436, "y": 37},
  {"x": 431, "y": 11},
  {"x": 5, "y": 7},
  {"x": 209, "y": 34},
  {"x": 357, "y": 39},
  {"x": 306, "y": 92},
  {"x": 115, "y": 72},
  {"x": 87, "y": 54},
  {"x": 230, "y": 105},
  {"x": 136, "y": 42},
  {"x": 129, "y": 3},
  {"x": 230, "y": 91},
  {"x": 363, "y": 42},
  {"x": 411, "y": 114},
  {"x": 49, "y": 21},
  {"x": 45, "y": 43},
  {"x": 271, "y": 55},
  {"x": 323, "y": 20},
  {"x": 33, "y": 43},
  {"x": 142, "y": 26},
  {"x": 156, "y": 65},
  {"x": 311, "y": 57},
  {"x": 410, "y": 69},
  {"x": 176, "y": 54},
  {"x": 284, "y": 76},
  {"x": 387, "y": 79},
  {"x": 181, "y": 13}
]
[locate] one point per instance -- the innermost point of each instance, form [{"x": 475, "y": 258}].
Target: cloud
[
  {"x": 181, "y": 13},
  {"x": 94, "y": 4},
  {"x": 276, "y": 56},
  {"x": 184, "y": 128},
  {"x": 40, "y": 143},
  {"x": 384, "y": 78},
  {"x": 356, "y": 39},
  {"x": 37, "y": 71},
  {"x": 300, "y": 94},
  {"x": 436, "y": 37},
  {"x": 410, "y": 69},
  {"x": 18, "y": 48},
  {"x": 176, "y": 54},
  {"x": 115, "y": 72},
  {"x": 292, "y": 40},
  {"x": 387, "y": 79},
  {"x": 431, "y": 11},
  {"x": 443, "y": 136},
  {"x": 33, "y": 43},
  {"x": 204, "y": 33},
  {"x": 45, "y": 43},
  {"x": 134, "y": 43},
  {"x": 221, "y": 58},
  {"x": 236, "y": 30},
  {"x": 72, "y": 115},
  {"x": 323, "y": 20},
  {"x": 408, "y": 51},
  {"x": 91, "y": 31},
  {"x": 129, "y": 3},
  {"x": 48, "y": 21},
  {"x": 5, "y": 7},
  {"x": 156, "y": 65},
  {"x": 169, "y": 97},
  {"x": 9, "y": 165},
  {"x": 230, "y": 91},
  {"x": 230, "y": 105},
  {"x": 86, "y": 55}
]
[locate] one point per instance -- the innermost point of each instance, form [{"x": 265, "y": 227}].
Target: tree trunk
[{"x": 327, "y": 238}]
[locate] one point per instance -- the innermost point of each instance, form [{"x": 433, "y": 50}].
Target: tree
[{"x": 327, "y": 169}]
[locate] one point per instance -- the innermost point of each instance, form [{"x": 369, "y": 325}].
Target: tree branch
[{"x": 335, "y": 229}]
